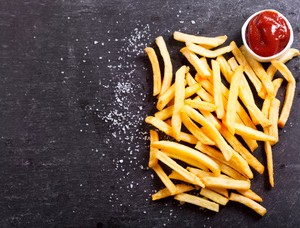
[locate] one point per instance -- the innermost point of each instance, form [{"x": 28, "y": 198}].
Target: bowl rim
[{"x": 275, "y": 56}]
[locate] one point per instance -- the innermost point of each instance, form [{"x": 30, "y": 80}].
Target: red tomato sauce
[{"x": 267, "y": 33}]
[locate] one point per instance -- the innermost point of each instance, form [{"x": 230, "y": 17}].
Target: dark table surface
[{"x": 74, "y": 91}]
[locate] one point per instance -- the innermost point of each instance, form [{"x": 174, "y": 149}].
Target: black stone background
[{"x": 75, "y": 88}]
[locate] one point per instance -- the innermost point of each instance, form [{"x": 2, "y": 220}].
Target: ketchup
[{"x": 267, "y": 33}]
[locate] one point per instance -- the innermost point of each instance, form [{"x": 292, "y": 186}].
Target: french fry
[
  {"x": 168, "y": 68},
  {"x": 167, "y": 129},
  {"x": 248, "y": 70},
  {"x": 189, "y": 138},
  {"x": 201, "y": 105},
  {"x": 204, "y": 41},
  {"x": 178, "y": 168},
  {"x": 191, "y": 90},
  {"x": 219, "y": 182},
  {"x": 181, "y": 152},
  {"x": 250, "y": 194},
  {"x": 217, "y": 89},
  {"x": 251, "y": 133},
  {"x": 273, "y": 116},
  {"x": 195, "y": 61},
  {"x": 178, "y": 102},
  {"x": 176, "y": 176},
  {"x": 214, "y": 196},
  {"x": 226, "y": 169},
  {"x": 277, "y": 83},
  {"x": 290, "y": 91},
  {"x": 232, "y": 99},
  {"x": 213, "y": 133},
  {"x": 164, "y": 178},
  {"x": 206, "y": 52},
  {"x": 291, "y": 53},
  {"x": 236, "y": 162},
  {"x": 211, "y": 118},
  {"x": 195, "y": 130},
  {"x": 152, "y": 159},
  {"x": 201, "y": 202},
  {"x": 259, "y": 70},
  {"x": 248, "y": 202},
  {"x": 156, "y": 70},
  {"x": 226, "y": 69},
  {"x": 165, "y": 113},
  {"x": 165, "y": 98},
  {"x": 163, "y": 193},
  {"x": 201, "y": 93},
  {"x": 267, "y": 102},
  {"x": 269, "y": 155},
  {"x": 238, "y": 146},
  {"x": 159, "y": 124}
]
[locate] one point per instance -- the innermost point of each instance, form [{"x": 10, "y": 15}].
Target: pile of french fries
[{"x": 215, "y": 128}]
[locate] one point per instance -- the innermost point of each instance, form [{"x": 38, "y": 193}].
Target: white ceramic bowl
[{"x": 269, "y": 58}]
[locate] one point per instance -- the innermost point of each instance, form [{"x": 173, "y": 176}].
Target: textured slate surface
[{"x": 75, "y": 87}]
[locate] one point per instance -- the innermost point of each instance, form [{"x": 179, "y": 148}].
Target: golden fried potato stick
[
  {"x": 167, "y": 97},
  {"x": 197, "y": 103},
  {"x": 269, "y": 155},
  {"x": 226, "y": 169},
  {"x": 217, "y": 89},
  {"x": 195, "y": 130},
  {"x": 250, "y": 194},
  {"x": 198, "y": 201},
  {"x": 242, "y": 114},
  {"x": 213, "y": 133},
  {"x": 165, "y": 113},
  {"x": 205, "y": 96},
  {"x": 273, "y": 116},
  {"x": 259, "y": 71},
  {"x": 248, "y": 202},
  {"x": 176, "y": 176},
  {"x": 267, "y": 102},
  {"x": 156, "y": 70},
  {"x": 182, "y": 152},
  {"x": 238, "y": 146},
  {"x": 209, "y": 42},
  {"x": 247, "y": 98},
  {"x": 236, "y": 162},
  {"x": 164, "y": 158},
  {"x": 200, "y": 50},
  {"x": 163, "y": 193},
  {"x": 195, "y": 61},
  {"x": 178, "y": 102},
  {"x": 167, "y": 129},
  {"x": 226, "y": 70},
  {"x": 164, "y": 178},
  {"x": 230, "y": 115},
  {"x": 168, "y": 68},
  {"x": 290, "y": 91},
  {"x": 191, "y": 90},
  {"x": 245, "y": 92},
  {"x": 209, "y": 194},
  {"x": 251, "y": 133},
  {"x": 228, "y": 183},
  {"x": 152, "y": 159},
  {"x": 203, "y": 173},
  {"x": 248, "y": 70},
  {"x": 211, "y": 118},
  {"x": 291, "y": 53}
]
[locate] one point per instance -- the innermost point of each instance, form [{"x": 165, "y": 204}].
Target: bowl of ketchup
[{"x": 267, "y": 35}]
